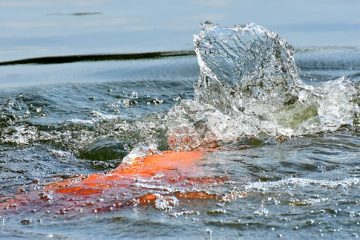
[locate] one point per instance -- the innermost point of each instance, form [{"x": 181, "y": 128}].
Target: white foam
[{"x": 302, "y": 182}]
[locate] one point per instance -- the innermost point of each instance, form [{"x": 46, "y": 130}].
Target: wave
[
  {"x": 158, "y": 54},
  {"x": 99, "y": 57},
  {"x": 249, "y": 88},
  {"x": 303, "y": 182}
]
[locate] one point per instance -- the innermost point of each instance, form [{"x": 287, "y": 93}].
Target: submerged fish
[{"x": 160, "y": 179}]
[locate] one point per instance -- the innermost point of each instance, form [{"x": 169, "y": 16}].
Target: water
[
  {"x": 45, "y": 28},
  {"x": 61, "y": 120}
]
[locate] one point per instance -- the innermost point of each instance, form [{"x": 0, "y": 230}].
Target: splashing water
[
  {"x": 249, "y": 87},
  {"x": 249, "y": 92}
]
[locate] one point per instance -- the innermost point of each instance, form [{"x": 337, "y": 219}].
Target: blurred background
[{"x": 65, "y": 27}]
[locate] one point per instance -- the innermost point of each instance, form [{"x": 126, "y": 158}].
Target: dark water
[{"x": 64, "y": 119}]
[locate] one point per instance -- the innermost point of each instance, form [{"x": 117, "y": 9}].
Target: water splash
[
  {"x": 249, "y": 86},
  {"x": 243, "y": 62}
]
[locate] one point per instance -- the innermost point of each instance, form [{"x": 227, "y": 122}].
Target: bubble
[{"x": 26, "y": 221}]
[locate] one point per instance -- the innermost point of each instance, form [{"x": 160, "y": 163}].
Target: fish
[{"x": 158, "y": 179}]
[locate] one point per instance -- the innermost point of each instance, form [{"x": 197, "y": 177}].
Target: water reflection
[{"x": 42, "y": 28}]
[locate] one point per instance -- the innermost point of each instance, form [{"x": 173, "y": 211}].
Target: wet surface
[
  {"x": 63, "y": 119},
  {"x": 306, "y": 186}
]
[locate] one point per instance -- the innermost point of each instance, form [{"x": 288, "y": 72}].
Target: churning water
[{"x": 284, "y": 123}]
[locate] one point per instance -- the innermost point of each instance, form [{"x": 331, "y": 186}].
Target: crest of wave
[{"x": 249, "y": 87}]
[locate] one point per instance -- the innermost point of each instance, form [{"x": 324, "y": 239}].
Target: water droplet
[
  {"x": 25, "y": 221},
  {"x": 36, "y": 181}
]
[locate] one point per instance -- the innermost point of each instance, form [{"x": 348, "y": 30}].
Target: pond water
[{"x": 64, "y": 117}]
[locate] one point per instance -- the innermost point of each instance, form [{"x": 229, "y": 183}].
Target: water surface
[{"x": 52, "y": 115}]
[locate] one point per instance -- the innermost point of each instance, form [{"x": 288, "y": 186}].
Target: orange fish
[{"x": 159, "y": 179}]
